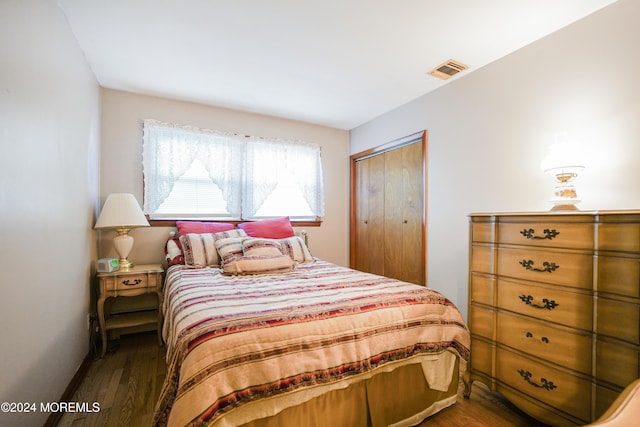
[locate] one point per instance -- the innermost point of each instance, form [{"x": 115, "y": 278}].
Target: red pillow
[
  {"x": 277, "y": 228},
  {"x": 197, "y": 227}
]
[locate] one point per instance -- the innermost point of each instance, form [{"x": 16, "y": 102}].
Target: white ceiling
[{"x": 338, "y": 63}]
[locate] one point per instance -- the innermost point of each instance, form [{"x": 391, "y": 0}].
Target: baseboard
[{"x": 75, "y": 382}]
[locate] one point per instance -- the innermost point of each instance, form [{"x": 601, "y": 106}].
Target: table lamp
[
  {"x": 121, "y": 212},
  {"x": 564, "y": 162}
]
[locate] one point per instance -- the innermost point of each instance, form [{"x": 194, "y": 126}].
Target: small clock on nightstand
[{"x": 139, "y": 280}]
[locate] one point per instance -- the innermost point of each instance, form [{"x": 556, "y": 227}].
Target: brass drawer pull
[
  {"x": 549, "y": 267},
  {"x": 543, "y": 339},
  {"x": 548, "y": 234},
  {"x": 546, "y": 384},
  {"x": 128, "y": 282},
  {"x": 548, "y": 304}
]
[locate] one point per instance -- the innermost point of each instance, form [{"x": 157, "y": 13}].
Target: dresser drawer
[
  {"x": 482, "y": 356},
  {"x": 547, "y": 234},
  {"x": 567, "y": 269},
  {"x": 547, "y": 303},
  {"x": 551, "y": 386},
  {"x": 616, "y": 363},
  {"x": 554, "y": 344},
  {"x": 619, "y": 237},
  {"x": 482, "y": 259},
  {"x": 619, "y": 276},
  {"x": 483, "y": 232},
  {"x": 618, "y": 319},
  {"x": 482, "y": 321},
  {"x": 482, "y": 289},
  {"x": 604, "y": 399}
]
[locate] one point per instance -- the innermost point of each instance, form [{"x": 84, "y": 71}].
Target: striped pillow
[
  {"x": 245, "y": 265},
  {"x": 200, "y": 249},
  {"x": 296, "y": 249},
  {"x": 229, "y": 248},
  {"x": 261, "y": 247}
]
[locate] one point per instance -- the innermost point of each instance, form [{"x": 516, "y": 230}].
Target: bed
[{"x": 256, "y": 342}]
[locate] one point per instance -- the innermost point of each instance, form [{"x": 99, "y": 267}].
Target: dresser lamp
[
  {"x": 121, "y": 212},
  {"x": 563, "y": 162}
]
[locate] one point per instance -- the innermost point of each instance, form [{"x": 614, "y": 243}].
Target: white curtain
[
  {"x": 246, "y": 169},
  {"x": 266, "y": 160},
  {"x": 168, "y": 152}
]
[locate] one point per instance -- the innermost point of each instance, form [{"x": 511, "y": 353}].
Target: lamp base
[
  {"x": 565, "y": 197},
  {"x": 565, "y": 208},
  {"x": 125, "y": 265},
  {"x": 123, "y": 243}
]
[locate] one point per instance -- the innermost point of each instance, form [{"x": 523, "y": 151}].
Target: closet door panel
[
  {"x": 412, "y": 214},
  {"x": 362, "y": 215},
  {"x": 393, "y": 214},
  {"x": 370, "y": 215}
]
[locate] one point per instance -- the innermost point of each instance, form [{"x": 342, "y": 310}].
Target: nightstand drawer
[
  {"x": 548, "y": 385},
  {"x": 129, "y": 282}
]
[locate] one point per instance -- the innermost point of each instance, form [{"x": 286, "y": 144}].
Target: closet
[{"x": 388, "y": 215}]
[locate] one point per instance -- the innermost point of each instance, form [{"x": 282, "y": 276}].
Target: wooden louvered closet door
[{"x": 388, "y": 211}]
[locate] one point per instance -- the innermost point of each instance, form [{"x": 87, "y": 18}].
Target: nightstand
[{"x": 139, "y": 280}]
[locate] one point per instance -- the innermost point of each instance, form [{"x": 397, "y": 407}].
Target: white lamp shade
[
  {"x": 563, "y": 156},
  {"x": 121, "y": 210}
]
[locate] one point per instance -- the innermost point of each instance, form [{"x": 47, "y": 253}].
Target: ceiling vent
[{"x": 448, "y": 69}]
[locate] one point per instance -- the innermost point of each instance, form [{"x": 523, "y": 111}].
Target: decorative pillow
[
  {"x": 230, "y": 233},
  {"x": 296, "y": 249},
  {"x": 277, "y": 228},
  {"x": 198, "y": 227},
  {"x": 173, "y": 250},
  {"x": 262, "y": 247},
  {"x": 200, "y": 249},
  {"x": 258, "y": 265},
  {"x": 229, "y": 248}
]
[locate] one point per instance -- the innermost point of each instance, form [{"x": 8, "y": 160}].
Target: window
[{"x": 196, "y": 173}]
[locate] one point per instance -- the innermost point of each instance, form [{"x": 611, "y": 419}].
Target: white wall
[
  {"x": 49, "y": 130},
  {"x": 489, "y": 130},
  {"x": 121, "y": 164}
]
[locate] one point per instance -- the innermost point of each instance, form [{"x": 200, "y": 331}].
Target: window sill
[{"x": 172, "y": 222}]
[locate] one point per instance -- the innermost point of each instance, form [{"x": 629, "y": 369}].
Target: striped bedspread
[{"x": 244, "y": 347}]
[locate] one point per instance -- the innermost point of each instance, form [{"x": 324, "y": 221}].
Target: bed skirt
[{"x": 398, "y": 398}]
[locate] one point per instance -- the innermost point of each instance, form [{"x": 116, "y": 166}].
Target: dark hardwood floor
[{"x": 127, "y": 382}]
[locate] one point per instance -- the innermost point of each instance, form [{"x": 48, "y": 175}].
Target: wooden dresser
[{"x": 554, "y": 309}]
